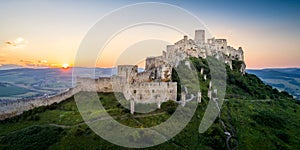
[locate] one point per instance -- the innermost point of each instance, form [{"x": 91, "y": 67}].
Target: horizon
[{"x": 113, "y": 67}]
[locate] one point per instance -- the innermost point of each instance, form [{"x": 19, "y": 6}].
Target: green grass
[
  {"x": 76, "y": 133},
  {"x": 258, "y": 125},
  {"x": 266, "y": 124},
  {"x": 33, "y": 137},
  {"x": 65, "y": 113}
]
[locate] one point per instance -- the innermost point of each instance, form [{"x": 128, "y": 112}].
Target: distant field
[
  {"x": 30, "y": 83},
  {"x": 284, "y": 83},
  {"x": 12, "y": 90},
  {"x": 285, "y": 79}
]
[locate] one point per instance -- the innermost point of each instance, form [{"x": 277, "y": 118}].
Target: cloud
[
  {"x": 9, "y": 43},
  {"x": 17, "y": 43},
  {"x": 26, "y": 61},
  {"x": 9, "y": 66},
  {"x": 39, "y": 63},
  {"x": 42, "y": 61}
]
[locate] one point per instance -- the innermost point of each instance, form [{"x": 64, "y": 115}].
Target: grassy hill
[{"x": 259, "y": 116}]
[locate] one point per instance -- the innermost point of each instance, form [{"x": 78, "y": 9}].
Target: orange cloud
[
  {"x": 39, "y": 63},
  {"x": 17, "y": 43}
]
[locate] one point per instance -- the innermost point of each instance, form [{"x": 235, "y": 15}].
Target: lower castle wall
[
  {"x": 151, "y": 92},
  {"x": 114, "y": 84},
  {"x": 15, "y": 108}
]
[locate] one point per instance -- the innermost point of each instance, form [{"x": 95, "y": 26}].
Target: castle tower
[
  {"x": 199, "y": 36},
  {"x": 185, "y": 38},
  {"x": 128, "y": 72},
  {"x": 241, "y": 54}
]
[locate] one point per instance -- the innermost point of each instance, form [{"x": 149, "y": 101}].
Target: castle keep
[{"x": 197, "y": 47}]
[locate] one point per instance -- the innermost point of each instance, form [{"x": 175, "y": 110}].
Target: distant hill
[
  {"x": 284, "y": 79},
  {"x": 9, "y": 66}
]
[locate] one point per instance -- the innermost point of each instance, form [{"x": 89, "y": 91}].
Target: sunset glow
[{"x": 65, "y": 66}]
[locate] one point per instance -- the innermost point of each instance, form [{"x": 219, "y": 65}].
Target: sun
[{"x": 65, "y": 66}]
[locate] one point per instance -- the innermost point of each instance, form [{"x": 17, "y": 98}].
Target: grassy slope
[{"x": 271, "y": 124}]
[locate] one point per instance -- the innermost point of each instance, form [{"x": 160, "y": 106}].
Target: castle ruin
[{"x": 154, "y": 85}]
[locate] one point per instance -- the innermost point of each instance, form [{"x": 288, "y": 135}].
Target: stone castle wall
[
  {"x": 100, "y": 84},
  {"x": 144, "y": 91},
  {"x": 15, "y": 108},
  {"x": 151, "y": 92}
]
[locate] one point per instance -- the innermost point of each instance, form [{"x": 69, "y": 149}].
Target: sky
[{"x": 48, "y": 33}]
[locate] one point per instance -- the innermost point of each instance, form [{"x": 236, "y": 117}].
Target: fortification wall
[
  {"x": 144, "y": 76},
  {"x": 114, "y": 84},
  {"x": 151, "y": 92},
  {"x": 15, "y": 108},
  {"x": 103, "y": 84},
  {"x": 154, "y": 62}
]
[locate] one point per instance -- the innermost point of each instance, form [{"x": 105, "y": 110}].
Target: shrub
[
  {"x": 268, "y": 118},
  {"x": 34, "y": 137}
]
